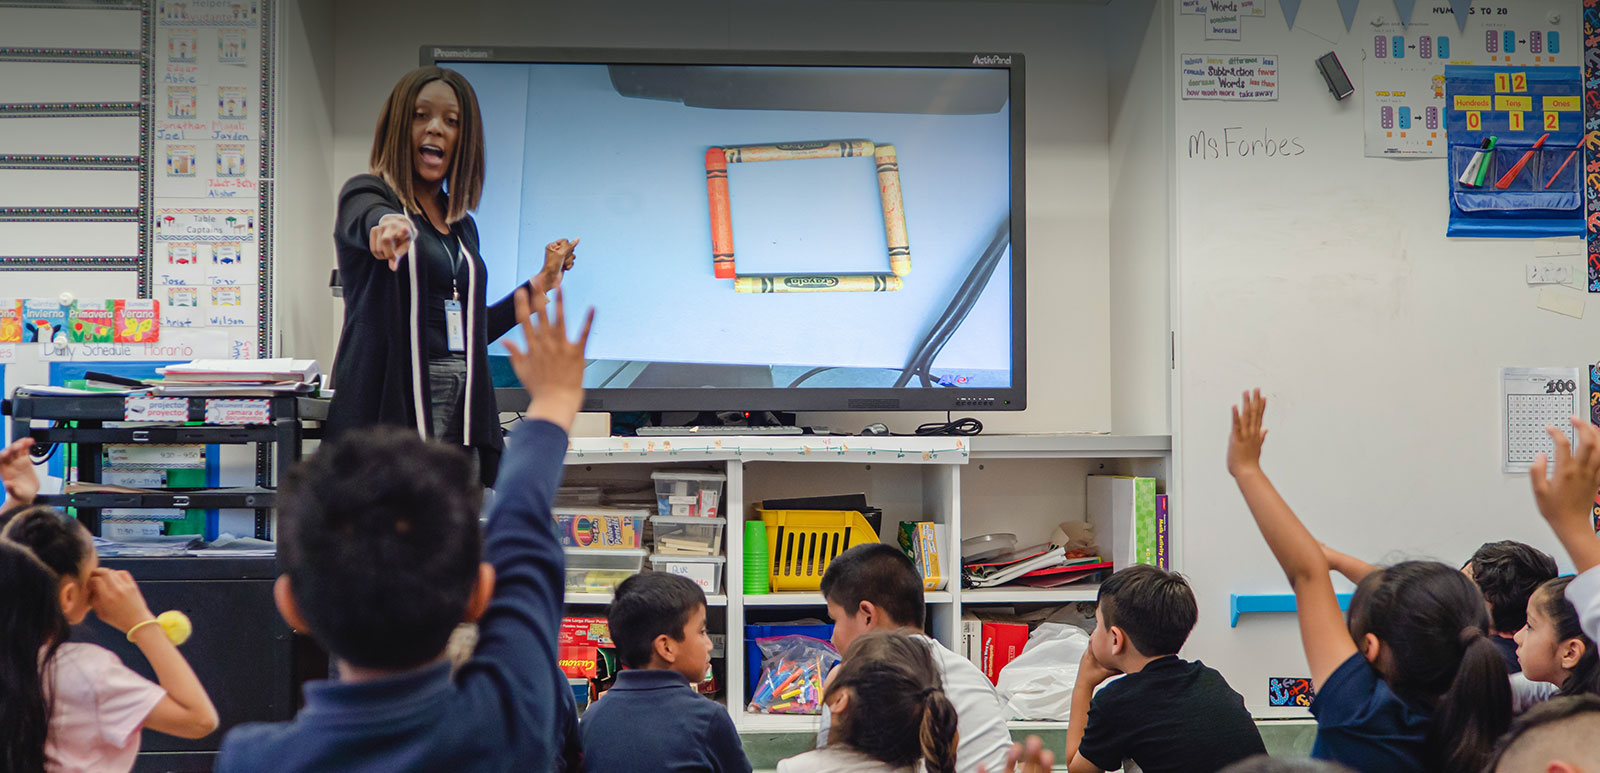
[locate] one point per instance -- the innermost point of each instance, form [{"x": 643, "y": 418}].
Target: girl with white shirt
[{"x": 889, "y": 712}]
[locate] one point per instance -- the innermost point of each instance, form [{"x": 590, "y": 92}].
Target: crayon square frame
[{"x": 887, "y": 165}]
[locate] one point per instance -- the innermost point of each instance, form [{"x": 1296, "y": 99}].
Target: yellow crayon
[
  {"x": 817, "y": 283},
  {"x": 894, "y": 213},
  {"x": 798, "y": 151}
]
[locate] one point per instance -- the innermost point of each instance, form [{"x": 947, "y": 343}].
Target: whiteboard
[
  {"x": 68, "y": 188},
  {"x": 68, "y": 240},
  {"x": 1325, "y": 278},
  {"x": 28, "y": 82},
  {"x": 75, "y": 27},
  {"x": 81, "y": 136}
]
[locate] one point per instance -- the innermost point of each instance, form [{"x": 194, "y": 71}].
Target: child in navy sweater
[
  {"x": 652, "y": 719},
  {"x": 382, "y": 556}
]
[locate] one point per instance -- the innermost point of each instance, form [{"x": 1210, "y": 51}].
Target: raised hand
[
  {"x": 559, "y": 257},
  {"x": 1566, "y": 498},
  {"x": 1244, "y": 442},
  {"x": 390, "y": 239},
  {"x": 551, "y": 367},
  {"x": 17, "y": 474}
]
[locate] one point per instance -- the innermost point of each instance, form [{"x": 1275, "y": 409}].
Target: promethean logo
[
  {"x": 461, "y": 53},
  {"x": 810, "y": 281},
  {"x": 991, "y": 59}
]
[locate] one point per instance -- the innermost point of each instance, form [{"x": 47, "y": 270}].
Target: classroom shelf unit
[{"x": 1024, "y": 484}]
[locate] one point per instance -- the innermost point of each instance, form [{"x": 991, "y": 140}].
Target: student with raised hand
[
  {"x": 1566, "y": 500},
  {"x": 1413, "y": 682},
  {"x": 381, "y": 550},
  {"x": 889, "y": 710},
  {"x": 1557, "y": 658}
]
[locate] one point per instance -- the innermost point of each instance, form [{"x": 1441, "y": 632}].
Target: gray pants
[{"x": 447, "y": 390}]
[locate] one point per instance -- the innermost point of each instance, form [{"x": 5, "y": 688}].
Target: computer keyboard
[{"x": 717, "y": 430}]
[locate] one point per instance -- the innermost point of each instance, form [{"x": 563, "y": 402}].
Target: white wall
[
  {"x": 1140, "y": 74},
  {"x": 1069, "y": 156},
  {"x": 1326, "y": 279}
]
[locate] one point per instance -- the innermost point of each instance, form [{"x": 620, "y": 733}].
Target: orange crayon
[
  {"x": 894, "y": 214},
  {"x": 721, "y": 213}
]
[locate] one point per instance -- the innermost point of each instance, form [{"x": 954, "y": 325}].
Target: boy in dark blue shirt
[
  {"x": 381, "y": 552},
  {"x": 652, "y": 719}
]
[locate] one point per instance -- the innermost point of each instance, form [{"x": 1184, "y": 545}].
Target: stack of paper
[{"x": 239, "y": 377}]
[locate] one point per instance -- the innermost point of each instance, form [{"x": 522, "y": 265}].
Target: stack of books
[
  {"x": 245, "y": 378},
  {"x": 1041, "y": 566}
]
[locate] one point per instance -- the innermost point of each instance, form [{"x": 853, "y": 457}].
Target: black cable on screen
[{"x": 960, "y": 306}]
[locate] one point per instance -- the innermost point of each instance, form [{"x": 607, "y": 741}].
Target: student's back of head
[
  {"x": 1155, "y": 608},
  {"x": 1428, "y": 625},
  {"x": 1557, "y": 735},
  {"x": 1262, "y": 763},
  {"x": 872, "y": 587},
  {"x": 34, "y": 629},
  {"x": 887, "y": 701},
  {"x": 380, "y": 545},
  {"x": 1508, "y": 572}
]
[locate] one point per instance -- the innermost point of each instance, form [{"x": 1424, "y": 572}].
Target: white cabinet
[{"x": 972, "y": 485}]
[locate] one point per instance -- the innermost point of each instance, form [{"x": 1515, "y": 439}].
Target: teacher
[{"x": 413, "y": 350}]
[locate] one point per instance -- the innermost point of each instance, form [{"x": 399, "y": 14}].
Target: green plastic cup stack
[{"x": 755, "y": 558}]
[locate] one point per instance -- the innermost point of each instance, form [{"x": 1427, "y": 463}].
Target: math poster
[{"x": 1402, "y": 77}]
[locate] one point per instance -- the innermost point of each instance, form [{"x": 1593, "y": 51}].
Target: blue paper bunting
[
  {"x": 1459, "y": 8},
  {"x": 1405, "y": 7},
  {"x": 1291, "y": 8},
  {"x": 1348, "y": 9}
]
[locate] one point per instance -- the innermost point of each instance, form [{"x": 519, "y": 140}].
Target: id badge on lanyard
[{"x": 455, "y": 337}]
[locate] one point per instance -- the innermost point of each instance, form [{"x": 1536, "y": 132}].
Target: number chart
[
  {"x": 1404, "y": 71},
  {"x": 1514, "y": 137},
  {"x": 1535, "y": 398}
]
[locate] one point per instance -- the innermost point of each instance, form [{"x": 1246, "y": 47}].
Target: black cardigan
[{"x": 379, "y": 373}]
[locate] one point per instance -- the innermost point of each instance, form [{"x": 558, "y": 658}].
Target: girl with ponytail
[
  {"x": 1412, "y": 682},
  {"x": 1553, "y": 650},
  {"x": 74, "y": 705},
  {"x": 889, "y": 712}
]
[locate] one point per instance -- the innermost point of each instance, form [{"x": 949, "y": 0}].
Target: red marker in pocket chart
[{"x": 1511, "y": 176}]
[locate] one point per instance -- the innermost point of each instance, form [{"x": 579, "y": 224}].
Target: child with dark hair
[
  {"x": 95, "y": 706},
  {"x": 1553, "y": 649},
  {"x": 1556, "y": 736},
  {"x": 1508, "y": 572},
  {"x": 874, "y": 587},
  {"x": 1413, "y": 682},
  {"x": 1165, "y": 713},
  {"x": 380, "y": 547},
  {"x": 889, "y": 711},
  {"x": 652, "y": 719}
]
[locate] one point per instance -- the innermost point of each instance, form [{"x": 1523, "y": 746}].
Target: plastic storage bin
[
  {"x": 688, "y": 535},
  {"x": 706, "y": 571},
  {"x": 600, "y": 570},
  {"x": 801, "y": 544},
  {"x": 600, "y": 527},
  {"x": 688, "y": 492},
  {"x": 752, "y": 651}
]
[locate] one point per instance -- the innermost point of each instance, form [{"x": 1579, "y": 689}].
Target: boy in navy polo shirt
[
  {"x": 652, "y": 719},
  {"x": 381, "y": 552}
]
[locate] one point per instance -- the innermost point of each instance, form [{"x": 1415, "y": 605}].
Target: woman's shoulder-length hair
[{"x": 393, "y": 156}]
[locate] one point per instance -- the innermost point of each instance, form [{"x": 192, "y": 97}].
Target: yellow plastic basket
[{"x": 801, "y": 544}]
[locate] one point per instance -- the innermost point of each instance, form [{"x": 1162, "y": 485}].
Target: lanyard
[{"x": 455, "y": 265}]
